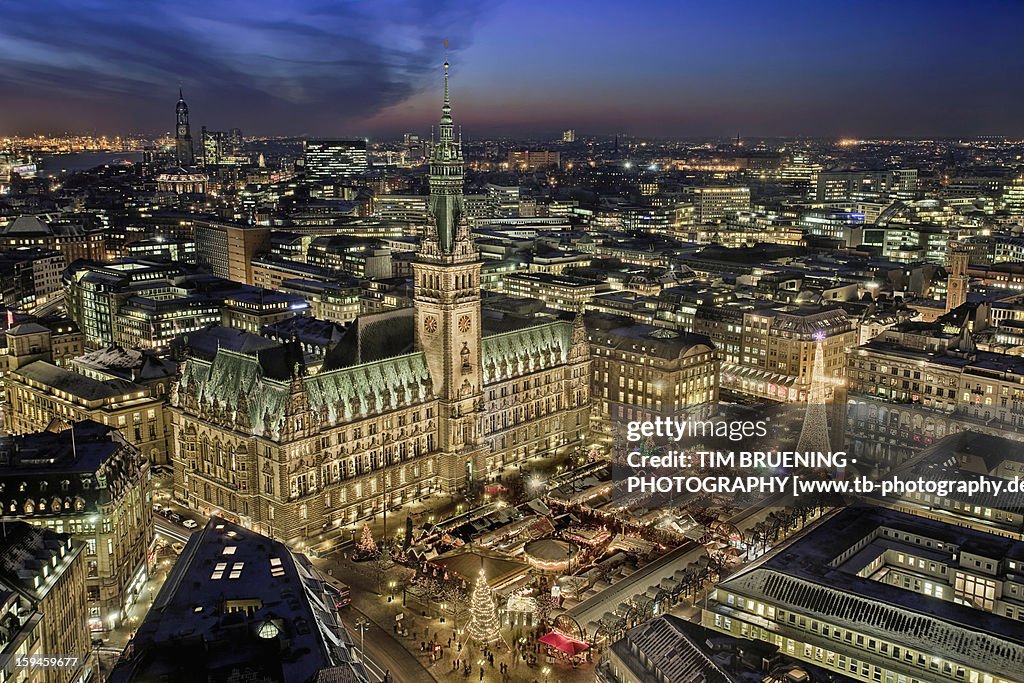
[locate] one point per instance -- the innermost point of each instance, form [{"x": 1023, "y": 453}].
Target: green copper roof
[
  {"x": 234, "y": 385},
  {"x": 234, "y": 381},
  {"x": 340, "y": 395},
  {"x": 527, "y": 350}
]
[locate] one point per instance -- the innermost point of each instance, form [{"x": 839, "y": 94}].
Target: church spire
[{"x": 182, "y": 132}]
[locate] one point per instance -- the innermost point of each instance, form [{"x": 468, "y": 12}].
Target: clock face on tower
[
  {"x": 430, "y": 324},
  {"x": 465, "y": 323},
  {"x": 181, "y": 130}
]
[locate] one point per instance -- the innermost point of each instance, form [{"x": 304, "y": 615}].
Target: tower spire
[
  {"x": 447, "y": 106},
  {"x": 446, "y": 179},
  {"x": 182, "y": 132}
]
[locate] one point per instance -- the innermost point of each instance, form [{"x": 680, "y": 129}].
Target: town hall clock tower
[{"x": 446, "y": 276}]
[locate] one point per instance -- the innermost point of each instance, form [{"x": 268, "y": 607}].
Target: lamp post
[{"x": 362, "y": 624}]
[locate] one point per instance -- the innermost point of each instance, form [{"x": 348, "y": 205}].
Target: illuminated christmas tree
[
  {"x": 366, "y": 546},
  {"x": 814, "y": 436},
  {"x": 483, "y": 619}
]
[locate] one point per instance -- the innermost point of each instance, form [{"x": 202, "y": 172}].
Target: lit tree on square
[
  {"x": 483, "y": 615},
  {"x": 367, "y": 546}
]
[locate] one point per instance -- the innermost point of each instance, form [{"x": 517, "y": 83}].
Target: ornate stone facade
[{"x": 291, "y": 454}]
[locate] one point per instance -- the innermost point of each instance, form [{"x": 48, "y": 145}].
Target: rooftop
[
  {"x": 238, "y": 604},
  {"x": 804, "y": 577},
  {"x": 70, "y": 382}
]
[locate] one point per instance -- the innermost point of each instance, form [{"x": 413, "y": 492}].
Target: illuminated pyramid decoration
[
  {"x": 814, "y": 436},
  {"x": 483, "y": 619}
]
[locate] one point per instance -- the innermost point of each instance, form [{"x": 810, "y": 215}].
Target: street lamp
[
  {"x": 362, "y": 625},
  {"x": 391, "y": 585}
]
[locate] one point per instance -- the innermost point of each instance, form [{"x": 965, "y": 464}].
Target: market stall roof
[
  {"x": 467, "y": 564},
  {"x": 564, "y": 643}
]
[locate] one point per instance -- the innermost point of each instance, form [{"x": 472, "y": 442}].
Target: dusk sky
[{"x": 531, "y": 67}]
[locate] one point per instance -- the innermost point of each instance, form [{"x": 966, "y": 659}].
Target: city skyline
[
  {"x": 325, "y": 408},
  {"x": 693, "y": 71}
]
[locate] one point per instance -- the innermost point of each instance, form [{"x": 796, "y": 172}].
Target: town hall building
[{"x": 289, "y": 452}]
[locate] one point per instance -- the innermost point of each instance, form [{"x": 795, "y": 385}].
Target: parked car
[
  {"x": 175, "y": 517},
  {"x": 190, "y": 524}
]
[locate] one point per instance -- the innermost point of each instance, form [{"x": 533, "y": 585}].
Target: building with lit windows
[
  {"x": 423, "y": 400},
  {"x": 58, "y": 341},
  {"x": 908, "y": 243},
  {"x": 30, "y": 278},
  {"x": 842, "y": 185},
  {"x": 331, "y": 160},
  {"x": 532, "y": 160},
  {"x": 151, "y": 320},
  {"x": 904, "y": 397},
  {"x": 879, "y": 595},
  {"x": 843, "y": 226},
  {"x": 96, "y": 292},
  {"x": 42, "y": 395},
  {"x": 642, "y": 372},
  {"x": 965, "y": 456},
  {"x": 251, "y": 309},
  {"x": 227, "y": 249},
  {"x": 713, "y": 204},
  {"x": 42, "y": 603},
  {"x": 561, "y": 292},
  {"x": 397, "y": 207},
  {"x": 95, "y": 487},
  {"x": 767, "y": 351},
  {"x": 182, "y": 181},
  {"x": 336, "y": 302},
  {"x": 73, "y": 241}
]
